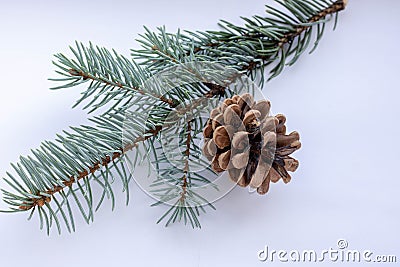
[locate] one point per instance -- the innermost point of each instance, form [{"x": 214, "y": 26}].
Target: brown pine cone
[{"x": 252, "y": 146}]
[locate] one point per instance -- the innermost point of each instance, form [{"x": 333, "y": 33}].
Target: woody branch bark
[
  {"x": 86, "y": 76},
  {"x": 334, "y": 8},
  {"x": 92, "y": 169},
  {"x": 187, "y": 154}
]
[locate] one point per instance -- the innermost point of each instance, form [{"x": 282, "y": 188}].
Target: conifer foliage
[{"x": 62, "y": 178}]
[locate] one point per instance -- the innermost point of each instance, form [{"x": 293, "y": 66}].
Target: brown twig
[
  {"x": 187, "y": 154},
  {"x": 95, "y": 166},
  {"x": 156, "y": 48},
  {"x": 86, "y": 76},
  {"x": 334, "y": 8}
]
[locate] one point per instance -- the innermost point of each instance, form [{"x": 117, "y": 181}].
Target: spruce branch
[
  {"x": 111, "y": 76},
  {"x": 62, "y": 173},
  {"x": 46, "y": 197},
  {"x": 332, "y": 9},
  {"x": 187, "y": 154},
  {"x": 87, "y": 76},
  {"x": 259, "y": 43}
]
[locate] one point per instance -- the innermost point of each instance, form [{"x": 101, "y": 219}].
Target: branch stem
[
  {"x": 332, "y": 9},
  {"x": 187, "y": 154},
  {"x": 92, "y": 169},
  {"x": 86, "y": 76}
]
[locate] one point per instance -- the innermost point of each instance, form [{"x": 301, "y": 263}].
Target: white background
[{"x": 343, "y": 99}]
